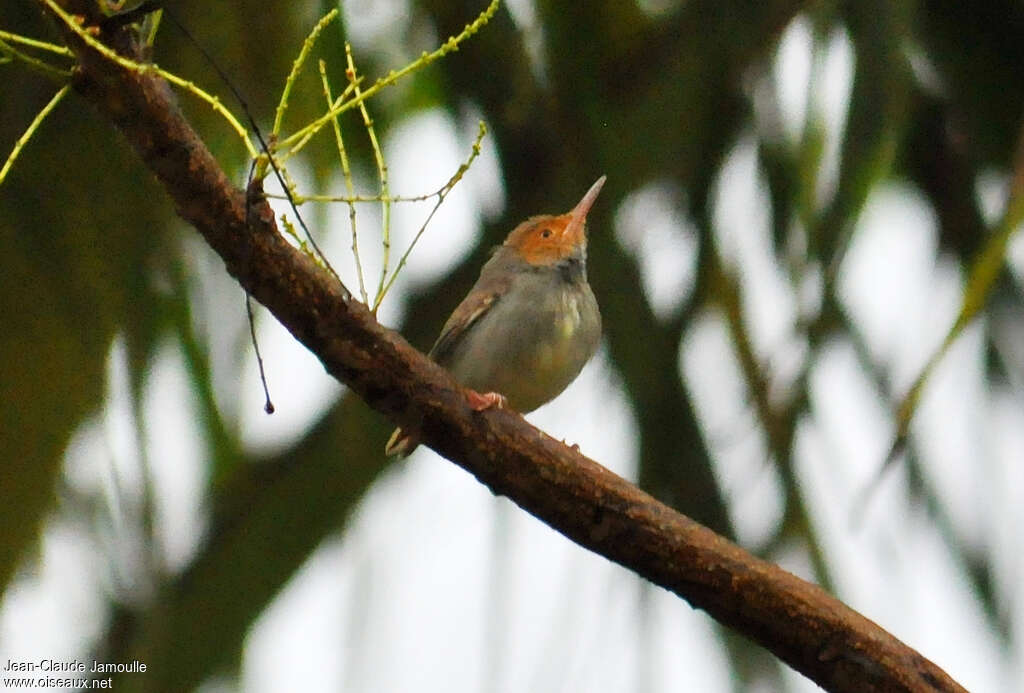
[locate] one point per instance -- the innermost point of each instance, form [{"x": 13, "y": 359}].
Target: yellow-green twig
[
  {"x": 340, "y": 105},
  {"x": 346, "y": 172},
  {"x": 286, "y": 180},
  {"x": 302, "y": 142},
  {"x": 33, "y": 126},
  {"x": 307, "y": 47},
  {"x": 289, "y": 229},
  {"x": 441, "y": 195},
  {"x": 143, "y": 68},
  {"x": 299, "y": 199},
  {"x": 35, "y": 43},
  {"x": 35, "y": 63},
  {"x": 382, "y": 173},
  {"x": 151, "y": 26}
]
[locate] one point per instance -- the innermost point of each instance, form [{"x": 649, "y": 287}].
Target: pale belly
[{"x": 530, "y": 353}]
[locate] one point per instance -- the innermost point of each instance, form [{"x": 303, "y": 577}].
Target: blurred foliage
[{"x": 645, "y": 92}]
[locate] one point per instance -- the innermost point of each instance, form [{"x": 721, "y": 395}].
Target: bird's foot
[{"x": 480, "y": 401}]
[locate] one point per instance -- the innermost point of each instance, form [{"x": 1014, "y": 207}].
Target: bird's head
[{"x": 547, "y": 239}]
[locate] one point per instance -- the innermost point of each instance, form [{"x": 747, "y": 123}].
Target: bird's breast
[
  {"x": 533, "y": 343},
  {"x": 556, "y": 351}
]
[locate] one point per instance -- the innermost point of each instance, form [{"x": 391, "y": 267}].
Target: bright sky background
[{"x": 438, "y": 586}]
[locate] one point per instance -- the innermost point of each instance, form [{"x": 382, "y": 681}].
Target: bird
[{"x": 529, "y": 324}]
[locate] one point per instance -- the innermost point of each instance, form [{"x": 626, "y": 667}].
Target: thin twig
[
  {"x": 307, "y": 47},
  {"x": 441, "y": 194},
  {"x": 144, "y": 68},
  {"x": 42, "y": 66},
  {"x": 36, "y": 43},
  {"x": 268, "y": 406},
  {"x": 357, "y": 199},
  {"x": 31, "y": 129},
  {"x": 449, "y": 46},
  {"x": 346, "y": 173},
  {"x": 279, "y": 172},
  {"x": 298, "y": 146},
  {"x": 382, "y": 173}
]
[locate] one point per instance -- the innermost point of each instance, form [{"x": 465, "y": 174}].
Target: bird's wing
[{"x": 472, "y": 308}]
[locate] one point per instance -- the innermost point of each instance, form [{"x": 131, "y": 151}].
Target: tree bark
[{"x": 801, "y": 624}]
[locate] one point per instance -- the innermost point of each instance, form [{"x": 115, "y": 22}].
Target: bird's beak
[{"x": 575, "y": 231}]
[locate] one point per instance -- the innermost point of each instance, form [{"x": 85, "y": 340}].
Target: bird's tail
[{"x": 400, "y": 443}]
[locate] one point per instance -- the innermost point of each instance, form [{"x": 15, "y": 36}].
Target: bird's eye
[{"x": 546, "y": 233}]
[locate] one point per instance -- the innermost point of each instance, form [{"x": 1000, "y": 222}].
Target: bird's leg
[{"x": 486, "y": 400}]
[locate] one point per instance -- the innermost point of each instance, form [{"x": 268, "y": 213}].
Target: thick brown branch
[{"x": 813, "y": 632}]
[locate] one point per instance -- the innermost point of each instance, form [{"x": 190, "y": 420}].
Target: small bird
[{"x": 528, "y": 325}]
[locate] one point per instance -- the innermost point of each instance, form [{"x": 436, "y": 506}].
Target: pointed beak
[{"x": 574, "y": 232}]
